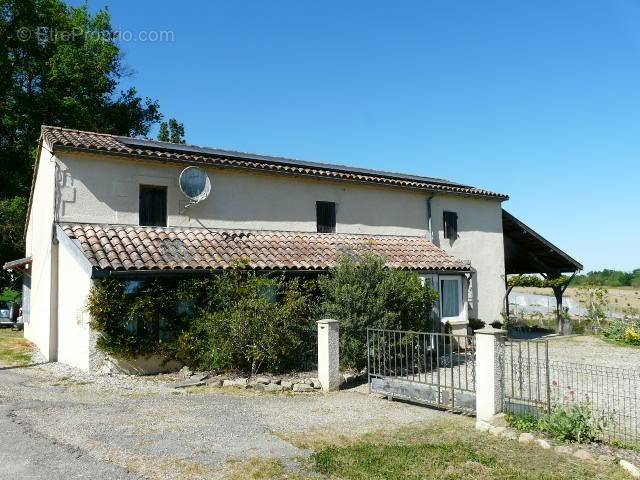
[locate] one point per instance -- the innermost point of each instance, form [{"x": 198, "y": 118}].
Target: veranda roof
[{"x": 136, "y": 248}]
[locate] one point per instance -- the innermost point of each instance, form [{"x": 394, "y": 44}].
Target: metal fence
[
  {"x": 535, "y": 384},
  {"x": 526, "y": 377},
  {"x": 309, "y": 355},
  {"x": 432, "y": 368}
]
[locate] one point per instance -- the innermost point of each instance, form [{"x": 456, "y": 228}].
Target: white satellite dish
[{"x": 194, "y": 183}]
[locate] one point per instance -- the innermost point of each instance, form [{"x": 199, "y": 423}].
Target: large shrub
[
  {"x": 362, "y": 292},
  {"x": 623, "y": 330},
  {"x": 252, "y": 323},
  {"x": 232, "y": 320}
]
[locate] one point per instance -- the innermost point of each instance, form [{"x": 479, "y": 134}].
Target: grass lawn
[
  {"x": 451, "y": 450},
  {"x": 14, "y": 349}
]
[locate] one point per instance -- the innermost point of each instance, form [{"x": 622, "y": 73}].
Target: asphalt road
[{"x": 27, "y": 454}]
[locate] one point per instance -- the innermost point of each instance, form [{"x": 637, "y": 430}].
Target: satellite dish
[{"x": 194, "y": 184}]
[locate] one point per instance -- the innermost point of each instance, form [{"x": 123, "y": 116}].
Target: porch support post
[
  {"x": 329, "y": 354},
  {"x": 489, "y": 360}
]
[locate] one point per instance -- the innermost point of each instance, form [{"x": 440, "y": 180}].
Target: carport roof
[{"x": 526, "y": 251}]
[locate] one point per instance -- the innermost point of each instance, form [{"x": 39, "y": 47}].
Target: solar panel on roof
[{"x": 175, "y": 147}]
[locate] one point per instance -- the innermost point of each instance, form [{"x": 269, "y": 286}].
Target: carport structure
[{"x": 528, "y": 252}]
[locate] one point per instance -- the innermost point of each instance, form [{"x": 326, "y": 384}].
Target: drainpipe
[{"x": 429, "y": 217}]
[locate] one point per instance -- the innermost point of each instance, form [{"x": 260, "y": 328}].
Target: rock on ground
[{"x": 630, "y": 468}]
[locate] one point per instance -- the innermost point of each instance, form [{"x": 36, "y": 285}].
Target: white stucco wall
[
  {"x": 105, "y": 190},
  {"x": 73, "y": 289},
  {"x": 480, "y": 242},
  {"x": 40, "y": 328}
]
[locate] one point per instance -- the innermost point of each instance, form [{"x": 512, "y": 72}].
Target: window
[
  {"x": 450, "y": 225},
  {"x": 153, "y": 206},
  {"x": 326, "y": 217},
  {"x": 451, "y": 298}
]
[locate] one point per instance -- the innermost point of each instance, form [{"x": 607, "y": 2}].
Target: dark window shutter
[
  {"x": 450, "y": 224},
  {"x": 326, "y": 217},
  {"x": 153, "y": 206}
]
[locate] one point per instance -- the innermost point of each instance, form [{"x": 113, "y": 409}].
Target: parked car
[{"x": 9, "y": 312}]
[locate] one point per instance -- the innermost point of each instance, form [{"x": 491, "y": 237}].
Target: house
[{"x": 104, "y": 205}]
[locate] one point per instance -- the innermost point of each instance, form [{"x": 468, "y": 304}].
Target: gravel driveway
[
  {"x": 592, "y": 350},
  {"x": 65, "y": 425}
]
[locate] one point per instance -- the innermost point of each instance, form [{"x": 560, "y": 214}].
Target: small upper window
[
  {"x": 326, "y": 217},
  {"x": 153, "y": 206},
  {"x": 450, "y": 225}
]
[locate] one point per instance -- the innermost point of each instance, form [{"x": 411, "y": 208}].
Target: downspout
[{"x": 429, "y": 226}]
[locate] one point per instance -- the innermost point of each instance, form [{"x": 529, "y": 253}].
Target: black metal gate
[{"x": 435, "y": 369}]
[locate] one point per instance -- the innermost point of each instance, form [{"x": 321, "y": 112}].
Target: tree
[
  {"x": 59, "y": 65},
  {"x": 171, "y": 131},
  {"x": 363, "y": 292}
]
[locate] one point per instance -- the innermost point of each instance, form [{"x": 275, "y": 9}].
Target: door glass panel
[{"x": 450, "y": 298}]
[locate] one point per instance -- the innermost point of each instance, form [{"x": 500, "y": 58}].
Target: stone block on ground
[
  {"x": 566, "y": 449},
  {"x": 542, "y": 443},
  {"x": 236, "y": 382},
  {"x": 302, "y": 387},
  {"x": 184, "y": 373},
  {"x": 349, "y": 377},
  {"x": 510, "y": 434},
  {"x": 258, "y": 386},
  {"x": 631, "y": 469},
  {"x": 286, "y": 384},
  {"x": 314, "y": 382},
  {"x": 497, "y": 431},
  {"x": 483, "y": 426},
  {"x": 499, "y": 420},
  {"x": 273, "y": 387},
  {"x": 526, "y": 438},
  {"x": 213, "y": 382},
  {"x": 263, "y": 380},
  {"x": 191, "y": 382}
]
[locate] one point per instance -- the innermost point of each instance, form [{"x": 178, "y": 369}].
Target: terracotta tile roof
[
  {"x": 110, "y": 144},
  {"x": 120, "y": 247}
]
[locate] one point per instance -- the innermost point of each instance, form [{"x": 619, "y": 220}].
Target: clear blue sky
[{"x": 539, "y": 100}]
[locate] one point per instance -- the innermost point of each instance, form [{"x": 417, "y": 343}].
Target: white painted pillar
[
  {"x": 329, "y": 354},
  {"x": 489, "y": 358}
]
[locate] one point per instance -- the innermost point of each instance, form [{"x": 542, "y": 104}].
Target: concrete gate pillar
[
  {"x": 489, "y": 359},
  {"x": 329, "y": 354}
]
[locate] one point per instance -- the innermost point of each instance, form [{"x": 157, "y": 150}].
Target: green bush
[
  {"x": 573, "y": 423},
  {"x": 524, "y": 422},
  {"x": 258, "y": 323},
  {"x": 241, "y": 320},
  {"x": 568, "y": 423},
  {"x": 362, "y": 292},
  {"x": 623, "y": 330},
  {"x": 233, "y": 320}
]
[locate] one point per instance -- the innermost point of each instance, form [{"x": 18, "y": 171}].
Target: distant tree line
[{"x": 609, "y": 278}]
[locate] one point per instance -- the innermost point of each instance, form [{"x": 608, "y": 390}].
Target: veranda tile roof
[
  {"x": 119, "y": 247},
  {"x": 124, "y": 146}
]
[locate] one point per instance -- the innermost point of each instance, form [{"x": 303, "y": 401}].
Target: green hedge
[{"x": 242, "y": 320}]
